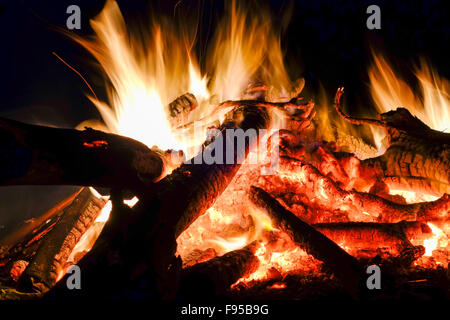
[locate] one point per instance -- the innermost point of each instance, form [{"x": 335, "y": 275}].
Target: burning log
[
  {"x": 417, "y": 157},
  {"x": 215, "y": 276},
  {"x": 340, "y": 263},
  {"x": 27, "y": 234},
  {"x": 157, "y": 220},
  {"x": 22, "y": 243},
  {"x": 51, "y": 256},
  {"x": 38, "y": 155},
  {"x": 367, "y": 239},
  {"x": 331, "y": 197}
]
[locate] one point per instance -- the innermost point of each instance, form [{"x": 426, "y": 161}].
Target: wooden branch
[
  {"x": 340, "y": 263},
  {"x": 352, "y": 120},
  {"x": 214, "y": 277},
  {"x": 304, "y": 109},
  {"x": 38, "y": 155}
]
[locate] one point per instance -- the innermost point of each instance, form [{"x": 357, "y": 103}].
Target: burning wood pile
[
  {"x": 270, "y": 210},
  {"x": 316, "y": 216}
]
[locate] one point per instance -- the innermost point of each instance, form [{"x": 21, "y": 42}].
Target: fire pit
[{"x": 230, "y": 184}]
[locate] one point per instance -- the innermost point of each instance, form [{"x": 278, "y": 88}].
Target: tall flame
[{"x": 143, "y": 78}]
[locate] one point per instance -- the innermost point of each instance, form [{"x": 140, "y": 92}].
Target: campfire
[{"x": 230, "y": 183}]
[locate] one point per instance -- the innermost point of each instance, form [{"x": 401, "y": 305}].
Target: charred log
[
  {"x": 340, "y": 263},
  {"x": 325, "y": 193},
  {"x": 417, "y": 157},
  {"x": 368, "y": 239},
  {"x": 38, "y": 155},
  {"x": 215, "y": 277},
  {"x": 51, "y": 256},
  {"x": 19, "y": 247},
  {"x": 31, "y": 231}
]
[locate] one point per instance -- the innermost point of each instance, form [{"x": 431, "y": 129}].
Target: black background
[{"x": 326, "y": 42}]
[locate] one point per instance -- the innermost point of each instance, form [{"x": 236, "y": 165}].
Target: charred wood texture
[
  {"x": 417, "y": 157},
  {"x": 142, "y": 240},
  {"x": 51, "y": 256},
  {"x": 19, "y": 247},
  {"x": 31, "y": 231},
  {"x": 367, "y": 239},
  {"x": 340, "y": 263},
  {"x": 330, "y": 196},
  {"x": 214, "y": 277},
  {"x": 39, "y": 155}
]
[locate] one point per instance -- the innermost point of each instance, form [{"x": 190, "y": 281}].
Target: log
[
  {"x": 214, "y": 277},
  {"x": 22, "y": 243},
  {"x": 26, "y": 232},
  {"x": 368, "y": 239},
  {"x": 417, "y": 157},
  {"x": 180, "y": 109},
  {"x": 48, "y": 263},
  {"x": 140, "y": 243},
  {"x": 39, "y": 155},
  {"x": 325, "y": 193},
  {"x": 345, "y": 267}
]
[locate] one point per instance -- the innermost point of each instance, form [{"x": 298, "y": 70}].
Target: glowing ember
[{"x": 277, "y": 286}]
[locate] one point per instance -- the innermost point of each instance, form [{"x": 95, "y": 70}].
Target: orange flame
[
  {"x": 389, "y": 92},
  {"x": 144, "y": 79}
]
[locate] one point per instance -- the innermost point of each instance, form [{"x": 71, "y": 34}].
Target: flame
[
  {"x": 431, "y": 105},
  {"x": 143, "y": 77},
  {"x": 412, "y": 196},
  {"x": 439, "y": 239}
]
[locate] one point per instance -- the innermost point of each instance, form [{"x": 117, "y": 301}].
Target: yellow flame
[
  {"x": 439, "y": 239},
  {"x": 144, "y": 76},
  {"x": 247, "y": 50}
]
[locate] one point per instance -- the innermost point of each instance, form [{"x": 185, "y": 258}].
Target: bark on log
[
  {"x": 49, "y": 261},
  {"x": 340, "y": 263},
  {"x": 38, "y": 155},
  {"x": 417, "y": 157},
  {"x": 214, "y": 277},
  {"x": 163, "y": 212}
]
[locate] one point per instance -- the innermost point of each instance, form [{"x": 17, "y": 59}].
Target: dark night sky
[{"x": 327, "y": 42}]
